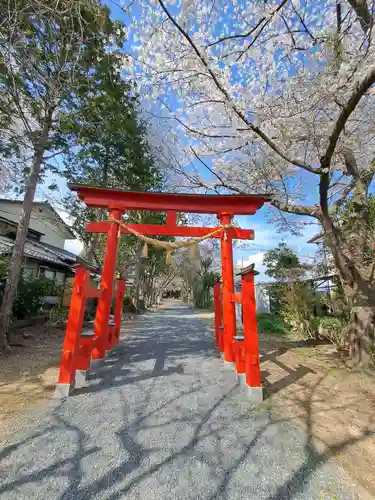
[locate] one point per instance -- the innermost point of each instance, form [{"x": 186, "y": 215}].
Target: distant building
[
  {"x": 44, "y": 253},
  {"x": 325, "y": 279},
  {"x": 261, "y": 294}
]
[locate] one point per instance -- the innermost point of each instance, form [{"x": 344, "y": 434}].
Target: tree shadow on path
[{"x": 174, "y": 426}]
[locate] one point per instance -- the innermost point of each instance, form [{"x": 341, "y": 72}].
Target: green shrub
[
  {"x": 58, "y": 315},
  {"x": 4, "y": 264},
  {"x": 30, "y": 295},
  {"x": 296, "y": 310},
  {"x": 127, "y": 300},
  {"x": 333, "y": 329},
  {"x": 30, "y": 292},
  {"x": 90, "y": 311},
  {"x": 271, "y": 323}
]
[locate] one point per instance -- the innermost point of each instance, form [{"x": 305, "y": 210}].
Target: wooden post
[
  {"x": 73, "y": 332},
  {"x": 218, "y": 313},
  {"x": 229, "y": 313},
  {"x": 250, "y": 328},
  {"x": 118, "y": 310},
  {"x": 103, "y": 310}
]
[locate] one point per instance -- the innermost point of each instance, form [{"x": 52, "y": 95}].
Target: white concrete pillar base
[
  {"x": 63, "y": 391},
  {"x": 241, "y": 380},
  {"x": 229, "y": 364},
  {"x": 255, "y": 394},
  {"x": 81, "y": 378}
]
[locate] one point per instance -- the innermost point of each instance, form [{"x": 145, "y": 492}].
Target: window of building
[
  {"x": 33, "y": 236},
  {"x": 9, "y": 230},
  {"x": 28, "y": 272},
  {"x": 50, "y": 274},
  {"x": 60, "y": 277}
]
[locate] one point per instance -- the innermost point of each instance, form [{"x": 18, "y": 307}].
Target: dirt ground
[
  {"x": 313, "y": 387},
  {"x": 28, "y": 375},
  {"x": 336, "y": 406},
  {"x": 308, "y": 385}
]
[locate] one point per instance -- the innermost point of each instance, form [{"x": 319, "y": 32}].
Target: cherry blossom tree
[{"x": 276, "y": 96}]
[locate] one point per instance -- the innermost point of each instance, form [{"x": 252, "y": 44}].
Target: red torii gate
[{"x": 118, "y": 202}]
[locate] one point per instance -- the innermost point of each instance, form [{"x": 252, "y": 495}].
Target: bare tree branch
[
  {"x": 347, "y": 110},
  {"x": 363, "y": 13}
]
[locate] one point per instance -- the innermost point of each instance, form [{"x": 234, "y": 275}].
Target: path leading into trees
[{"x": 162, "y": 419}]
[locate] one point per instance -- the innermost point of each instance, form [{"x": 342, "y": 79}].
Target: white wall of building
[
  {"x": 262, "y": 303},
  {"x": 261, "y": 297},
  {"x": 42, "y": 220}
]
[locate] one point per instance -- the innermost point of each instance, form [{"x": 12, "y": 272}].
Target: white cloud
[
  {"x": 256, "y": 259},
  {"x": 74, "y": 246}
]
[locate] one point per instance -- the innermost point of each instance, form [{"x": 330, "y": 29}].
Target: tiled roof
[
  {"x": 67, "y": 256},
  {"x": 60, "y": 252},
  {"x": 32, "y": 250},
  {"x": 45, "y": 252}
]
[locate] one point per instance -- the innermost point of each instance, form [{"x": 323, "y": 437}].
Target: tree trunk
[
  {"x": 94, "y": 241},
  {"x": 90, "y": 254},
  {"x": 348, "y": 261},
  {"x": 149, "y": 292},
  {"x": 164, "y": 285},
  {"x": 14, "y": 272},
  {"x": 150, "y": 285},
  {"x": 138, "y": 273},
  {"x": 361, "y": 334}
]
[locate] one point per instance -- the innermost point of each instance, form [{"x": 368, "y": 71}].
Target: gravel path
[{"x": 163, "y": 419}]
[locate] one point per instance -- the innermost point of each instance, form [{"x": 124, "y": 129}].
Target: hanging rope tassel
[
  {"x": 171, "y": 245},
  {"x": 169, "y": 258},
  {"x": 144, "y": 253},
  {"x": 193, "y": 252}
]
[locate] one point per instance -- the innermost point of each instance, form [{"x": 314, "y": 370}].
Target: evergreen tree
[{"x": 48, "y": 50}]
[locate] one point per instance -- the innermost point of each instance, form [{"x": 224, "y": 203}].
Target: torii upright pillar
[
  {"x": 253, "y": 381},
  {"x": 101, "y": 324},
  {"x": 229, "y": 311}
]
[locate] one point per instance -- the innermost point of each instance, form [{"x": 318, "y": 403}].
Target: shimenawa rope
[{"x": 169, "y": 246}]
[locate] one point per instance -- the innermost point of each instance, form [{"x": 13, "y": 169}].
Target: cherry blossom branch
[
  {"x": 257, "y": 130},
  {"x": 193, "y": 130},
  {"x": 205, "y": 165},
  {"x": 312, "y": 211},
  {"x": 251, "y": 31},
  {"x": 303, "y": 23},
  {"x": 240, "y": 35}
]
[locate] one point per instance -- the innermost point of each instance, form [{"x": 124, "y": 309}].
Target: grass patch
[{"x": 270, "y": 323}]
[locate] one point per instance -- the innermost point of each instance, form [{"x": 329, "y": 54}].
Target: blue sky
[{"x": 266, "y": 238}]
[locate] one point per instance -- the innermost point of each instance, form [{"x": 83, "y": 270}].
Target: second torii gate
[{"x": 118, "y": 202}]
